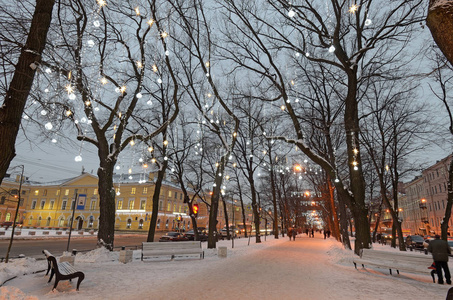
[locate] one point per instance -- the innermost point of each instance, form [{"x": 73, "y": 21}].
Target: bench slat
[
  {"x": 62, "y": 271},
  {"x": 155, "y": 249}
]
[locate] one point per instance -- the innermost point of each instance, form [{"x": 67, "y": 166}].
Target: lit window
[
  {"x": 169, "y": 193},
  {"x": 133, "y": 191},
  {"x": 57, "y": 193},
  {"x": 93, "y": 205},
  {"x": 44, "y": 193},
  {"x": 36, "y": 192},
  {"x": 142, "y": 204},
  {"x": 95, "y": 192},
  {"x": 120, "y": 204},
  {"x": 169, "y": 206},
  {"x": 131, "y": 204},
  {"x": 66, "y": 192},
  {"x": 145, "y": 190},
  {"x": 8, "y": 217}
]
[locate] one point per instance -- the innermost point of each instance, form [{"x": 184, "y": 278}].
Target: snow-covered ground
[{"x": 274, "y": 269}]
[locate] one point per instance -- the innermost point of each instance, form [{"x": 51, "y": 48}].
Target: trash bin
[
  {"x": 125, "y": 256},
  {"x": 222, "y": 252}
]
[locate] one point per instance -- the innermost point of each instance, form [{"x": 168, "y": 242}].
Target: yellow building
[
  {"x": 51, "y": 204},
  {"x": 9, "y": 196}
]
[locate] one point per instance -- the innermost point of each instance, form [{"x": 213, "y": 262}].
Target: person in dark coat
[
  {"x": 293, "y": 233},
  {"x": 440, "y": 251}
]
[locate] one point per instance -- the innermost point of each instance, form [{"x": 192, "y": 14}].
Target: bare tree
[{"x": 17, "y": 78}]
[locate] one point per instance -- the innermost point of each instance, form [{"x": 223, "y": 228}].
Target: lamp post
[
  {"x": 17, "y": 212},
  {"x": 72, "y": 218}
]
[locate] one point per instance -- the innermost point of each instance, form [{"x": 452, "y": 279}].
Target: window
[
  {"x": 43, "y": 202},
  {"x": 142, "y": 204},
  {"x": 63, "y": 205},
  {"x": 57, "y": 193},
  {"x": 131, "y": 204},
  {"x": 174, "y": 207},
  {"x": 95, "y": 192},
  {"x": 48, "y": 221},
  {"x": 169, "y": 193},
  {"x": 166, "y": 224},
  {"x": 8, "y": 217},
  {"x": 158, "y": 224},
  {"x": 30, "y": 220},
  {"x": 133, "y": 191},
  {"x": 179, "y": 209},
  {"x": 176, "y": 195},
  {"x": 33, "y": 204},
  {"x": 36, "y": 192},
  {"x": 72, "y": 205},
  {"x": 140, "y": 224},
  {"x": 129, "y": 224},
  {"x": 52, "y": 203},
  {"x": 66, "y": 192},
  {"x": 2, "y": 200},
  {"x": 39, "y": 221},
  {"x": 60, "y": 222},
  {"x": 161, "y": 205},
  {"x": 120, "y": 204},
  {"x": 93, "y": 205},
  {"x": 44, "y": 192},
  {"x": 90, "y": 222},
  {"x": 145, "y": 190},
  {"x": 168, "y": 206},
  {"x": 180, "y": 196}
]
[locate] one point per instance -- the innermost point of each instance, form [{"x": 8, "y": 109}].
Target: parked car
[
  {"x": 233, "y": 232},
  {"x": 202, "y": 235},
  {"x": 416, "y": 242},
  {"x": 173, "y": 237}
]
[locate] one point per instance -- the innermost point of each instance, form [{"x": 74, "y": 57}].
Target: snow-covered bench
[
  {"x": 62, "y": 271},
  {"x": 172, "y": 249},
  {"x": 399, "y": 261}
]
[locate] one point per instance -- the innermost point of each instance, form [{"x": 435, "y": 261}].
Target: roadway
[{"x": 34, "y": 247}]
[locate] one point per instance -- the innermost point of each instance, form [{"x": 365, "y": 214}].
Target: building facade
[
  {"x": 426, "y": 200},
  {"x": 53, "y": 204}
]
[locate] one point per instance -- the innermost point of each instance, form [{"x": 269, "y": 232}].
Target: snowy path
[
  {"x": 298, "y": 269},
  {"x": 305, "y": 269}
]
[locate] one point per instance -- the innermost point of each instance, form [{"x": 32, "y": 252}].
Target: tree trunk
[
  {"x": 20, "y": 86},
  {"x": 344, "y": 225},
  {"x": 106, "y": 231},
  {"x": 156, "y": 195},
  {"x": 212, "y": 240},
  {"x": 440, "y": 23},
  {"x": 335, "y": 224},
  {"x": 444, "y": 225}
]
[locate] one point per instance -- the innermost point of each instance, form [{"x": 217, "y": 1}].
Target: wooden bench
[
  {"x": 399, "y": 261},
  {"x": 172, "y": 249},
  {"x": 62, "y": 271}
]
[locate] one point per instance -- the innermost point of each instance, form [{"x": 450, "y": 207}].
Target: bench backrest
[
  {"x": 398, "y": 257},
  {"x": 170, "y": 245},
  {"x": 51, "y": 261}
]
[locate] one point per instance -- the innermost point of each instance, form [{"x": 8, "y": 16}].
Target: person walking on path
[
  {"x": 440, "y": 251},
  {"x": 312, "y": 233},
  {"x": 293, "y": 233},
  {"x": 325, "y": 234}
]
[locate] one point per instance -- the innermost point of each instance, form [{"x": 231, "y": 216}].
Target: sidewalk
[{"x": 308, "y": 268}]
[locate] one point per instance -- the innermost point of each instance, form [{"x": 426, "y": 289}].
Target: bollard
[{"x": 222, "y": 252}]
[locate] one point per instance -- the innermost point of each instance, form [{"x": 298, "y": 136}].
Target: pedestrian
[
  {"x": 312, "y": 233},
  {"x": 328, "y": 233},
  {"x": 325, "y": 234},
  {"x": 290, "y": 233},
  {"x": 440, "y": 251},
  {"x": 306, "y": 231},
  {"x": 293, "y": 233}
]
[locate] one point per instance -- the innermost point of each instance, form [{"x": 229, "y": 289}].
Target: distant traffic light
[{"x": 195, "y": 210}]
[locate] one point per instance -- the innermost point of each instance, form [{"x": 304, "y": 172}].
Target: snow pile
[
  {"x": 18, "y": 267},
  {"x": 339, "y": 255},
  {"x": 11, "y": 292},
  {"x": 98, "y": 255}
]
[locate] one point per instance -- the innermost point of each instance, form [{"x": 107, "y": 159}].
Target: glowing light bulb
[
  {"x": 164, "y": 34},
  {"x": 78, "y": 158},
  {"x": 139, "y": 64},
  {"x": 137, "y": 11},
  {"x": 154, "y": 68},
  {"x": 102, "y": 3},
  {"x": 332, "y": 49},
  {"x": 150, "y": 22},
  {"x": 104, "y": 80},
  {"x": 353, "y": 9},
  {"x": 48, "y": 126},
  {"x": 291, "y": 13}
]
